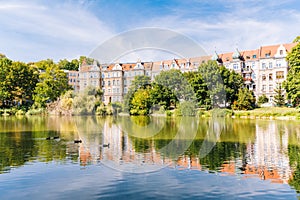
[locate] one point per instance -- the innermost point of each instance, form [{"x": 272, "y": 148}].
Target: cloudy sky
[{"x": 35, "y": 30}]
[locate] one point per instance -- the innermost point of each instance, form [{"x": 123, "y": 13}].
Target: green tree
[
  {"x": 279, "y": 97},
  {"x": 245, "y": 100},
  {"x": 17, "y": 82},
  {"x": 232, "y": 82},
  {"x": 22, "y": 80},
  {"x": 67, "y": 65},
  {"x": 139, "y": 82},
  {"x": 177, "y": 83},
  {"x": 5, "y": 94},
  {"x": 84, "y": 103},
  {"x": 222, "y": 83},
  {"x": 292, "y": 83},
  {"x": 141, "y": 102},
  {"x": 88, "y": 61},
  {"x": 199, "y": 86},
  {"x": 263, "y": 99},
  {"x": 53, "y": 82}
]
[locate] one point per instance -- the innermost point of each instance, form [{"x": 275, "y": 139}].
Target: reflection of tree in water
[
  {"x": 18, "y": 148},
  {"x": 295, "y": 164}
]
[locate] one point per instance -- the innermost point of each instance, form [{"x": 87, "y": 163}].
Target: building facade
[{"x": 263, "y": 70}]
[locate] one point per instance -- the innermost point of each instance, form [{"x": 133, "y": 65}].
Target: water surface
[{"x": 148, "y": 158}]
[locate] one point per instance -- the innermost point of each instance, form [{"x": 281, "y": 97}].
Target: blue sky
[{"x": 35, "y": 30}]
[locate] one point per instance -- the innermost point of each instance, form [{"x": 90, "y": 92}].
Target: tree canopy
[{"x": 292, "y": 83}]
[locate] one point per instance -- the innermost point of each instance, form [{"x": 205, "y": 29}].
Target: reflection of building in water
[
  {"x": 121, "y": 150},
  {"x": 268, "y": 156}
]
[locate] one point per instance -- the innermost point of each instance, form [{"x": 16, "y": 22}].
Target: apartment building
[
  {"x": 263, "y": 70},
  {"x": 89, "y": 75}
]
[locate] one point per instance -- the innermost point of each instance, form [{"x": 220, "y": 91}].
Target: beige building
[
  {"x": 89, "y": 75},
  {"x": 263, "y": 69}
]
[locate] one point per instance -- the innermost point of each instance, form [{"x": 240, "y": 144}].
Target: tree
[
  {"x": 222, "y": 84},
  {"x": 88, "y": 61},
  {"x": 22, "y": 80},
  {"x": 17, "y": 82},
  {"x": 52, "y": 83},
  {"x": 141, "y": 102},
  {"x": 199, "y": 86},
  {"x": 67, "y": 65},
  {"x": 245, "y": 100},
  {"x": 292, "y": 83},
  {"x": 137, "y": 83},
  {"x": 279, "y": 97},
  {"x": 5, "y": 94},
  {"x": 177, "y": 83},
  {"x": 263, "y": 99},
  {"x": 232, "y": 82}
]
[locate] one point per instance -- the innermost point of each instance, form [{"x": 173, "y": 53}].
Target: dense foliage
[
  {"x": 292, "y": 83},
  {"x": 245, "y": 101}
]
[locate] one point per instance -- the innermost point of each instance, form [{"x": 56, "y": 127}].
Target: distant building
[
  {"x": 89, "y": 75},
  {"x": 262, "y": 69}
]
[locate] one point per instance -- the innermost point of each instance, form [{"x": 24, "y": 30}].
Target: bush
[
  {"x": 221, "y": 112},
  {"x": 20, "y": 112},
  {"x": 263, "y": 99},
  {"x": 36, "y": 111},
  {"x": 186, "y": 108},
  {"x": 101, "y": 110},
  {"x": 169, "y": 113}
]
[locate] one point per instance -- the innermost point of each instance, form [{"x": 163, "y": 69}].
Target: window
[
  {"x": 235, "y": 66},
  {"x": 254, "y": 56},
  {"x": 253, "y": 65},
  {"x": 125, "y": 90},
  {"x": 108, "y": 83},
  {"x": 108, "y": 90},
  {"x": 103, "y": 83},
  {"x": 264, "y": 88},
  {"x": 270, "y": 88},
  {"x": 253, "y": 76},
  {"x": 270, "y": 77},
  {"x": 279, "y": 75},
  {"x": 263, "y": 65},
  {"x": 278, "y": 64},
  {"x": 264, "y": 77},
  {"x": 270, "y": 65},
  {"x": 114, "y": 82},
  {"x": 125, "y": 82},
  {"x": 267, "y": 55},
  {"x": 118, "y": 82},
  {"x": 281, "y": 52}
]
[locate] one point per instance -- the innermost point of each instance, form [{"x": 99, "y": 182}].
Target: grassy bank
[{"x": 272, "y": 113}]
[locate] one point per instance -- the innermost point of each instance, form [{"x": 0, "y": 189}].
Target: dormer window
[
  {"x": 267, "y": 55},
  {"x": 281, "y": 52},
  {"x": 254, "y": 56},
  {"x": 248, "y": 57}
]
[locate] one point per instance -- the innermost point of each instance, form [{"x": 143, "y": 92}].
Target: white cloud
[
  {"x": 245, "y": 27},
  {"x": 34, "y": 31}
]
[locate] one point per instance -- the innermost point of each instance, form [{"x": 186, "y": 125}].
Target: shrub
[
  {"x": 186, "y": 108},
  {"x": 101, "y": 110}
]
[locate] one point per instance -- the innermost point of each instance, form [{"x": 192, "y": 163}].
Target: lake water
[{"x": 148, "y": 158}]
